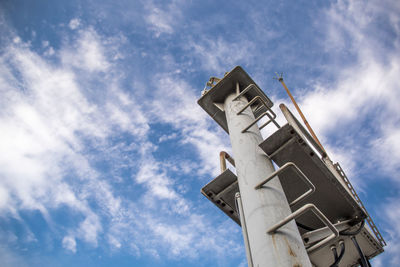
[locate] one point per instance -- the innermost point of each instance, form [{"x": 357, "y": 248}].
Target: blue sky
[{"x": 104, "y": 149}]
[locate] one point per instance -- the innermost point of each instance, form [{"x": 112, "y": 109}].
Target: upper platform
[
  {"x": 292, "y": 143},
  {"x": 212, "y": 101}
]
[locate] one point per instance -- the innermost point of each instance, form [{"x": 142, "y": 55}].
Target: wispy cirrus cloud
[
  {"x": 48, "y": 120},
  {"x": 163, "y": 18},
  {"x": 62, "y": 132},
  {"x": 217, "y": 54}
]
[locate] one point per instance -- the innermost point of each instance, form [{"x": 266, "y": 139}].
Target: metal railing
[
  {"x": 223, "y": 157},
  {"x": 353, "y": 192}
]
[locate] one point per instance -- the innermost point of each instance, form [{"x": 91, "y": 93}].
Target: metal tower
[{"x": 293, "y": 216}]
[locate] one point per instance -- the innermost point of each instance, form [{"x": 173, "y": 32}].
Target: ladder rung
[
  {"x": 319, "y": 214},
  {"x": 300, "y": 174},
  {"x": 261, "y": 102}
]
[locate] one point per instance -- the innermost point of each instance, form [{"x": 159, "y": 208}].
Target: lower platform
[{"x": 221, "y": 191}]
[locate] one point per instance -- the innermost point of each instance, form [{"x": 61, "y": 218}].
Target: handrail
[
  {"x": 302, "y": 115},
  {"x": 223, "y": 157},
  {"x": 291, "y": 119}
]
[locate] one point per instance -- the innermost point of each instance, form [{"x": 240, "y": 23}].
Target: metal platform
[
  {"x": 221, "y": 191},
  {"x": 216, "y": 95},
  {"x": 331, "y": 196}
]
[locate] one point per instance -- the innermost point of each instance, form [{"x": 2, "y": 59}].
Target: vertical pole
[
  {"x": 302, "y": 115},
  {"x": 264, "y": 207},
  {"x": 239, "y": 207}
]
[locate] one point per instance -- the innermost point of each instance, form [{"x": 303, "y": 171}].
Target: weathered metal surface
[
  {"x": 217, "y": 94},
  {"x": 262, "y": 208}
]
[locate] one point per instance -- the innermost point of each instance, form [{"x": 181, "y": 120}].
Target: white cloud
[
  {"x": 87, "y": 54},
  {"x": 162, "y": 19},
  {"x": 391, "y": 211},
  {"x": 49, "y": 52},
  {"x": 220, "y": 55},
  {"x": 45, "y": 44},
  {"x": 166, "y": 137},
  {"x": 54, "y": 115},
  {"x": 17, "y": 40},
  {"x": 47, "y": 119},
  {"x": 4, "y": 198},
  {"x": 74, "y": 23},
  {"x": 186, "y": 116},
  {"x": 69, "y": 243},
  {"x": 114, "y": 241},
  {"x": 90, "y": 228}
]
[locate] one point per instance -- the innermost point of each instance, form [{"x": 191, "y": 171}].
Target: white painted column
[{"x": 263, "y": 207}]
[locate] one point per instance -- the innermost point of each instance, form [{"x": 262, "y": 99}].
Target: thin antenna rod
[{"x": 280, "y": 78}]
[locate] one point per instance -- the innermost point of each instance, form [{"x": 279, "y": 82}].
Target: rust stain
[
  {"x": 274, "y": 241},
  {"x": 291, "y": 252}
]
